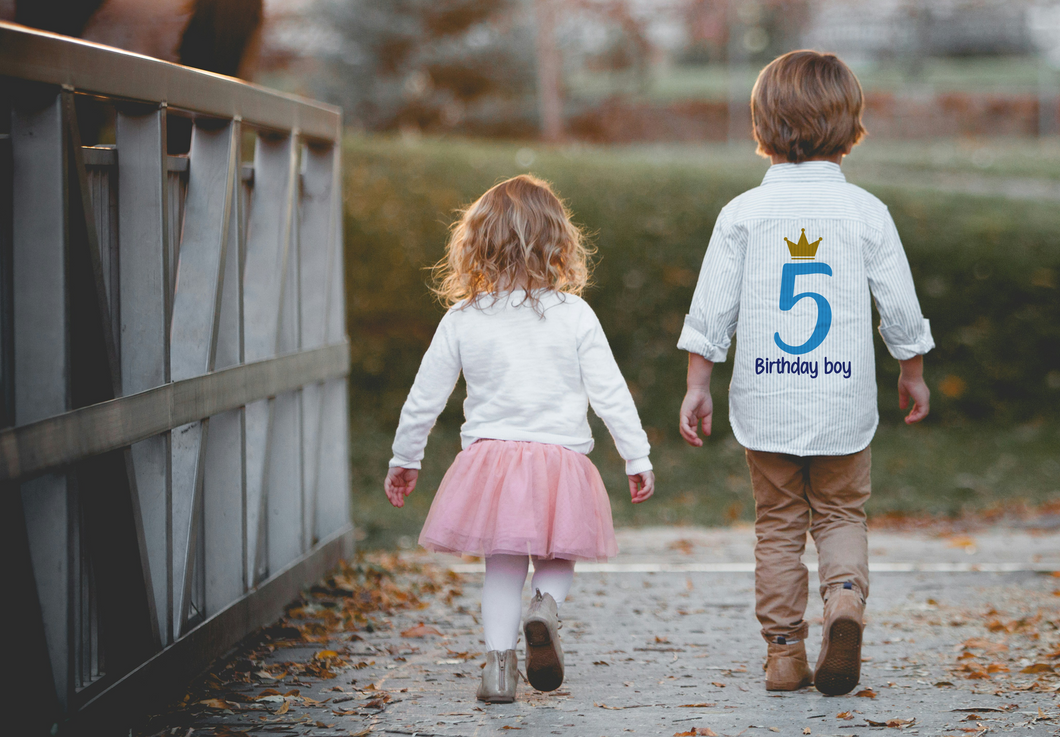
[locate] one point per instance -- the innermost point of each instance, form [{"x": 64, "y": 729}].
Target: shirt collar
[{"x": 807, "y": 171}]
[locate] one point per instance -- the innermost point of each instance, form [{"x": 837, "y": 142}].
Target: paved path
[{"x": 663, "y": 641}]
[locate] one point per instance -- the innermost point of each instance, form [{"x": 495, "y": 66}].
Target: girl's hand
[
  {"x": 641, "y": 486},
  {"x": 400, "y": 482}
]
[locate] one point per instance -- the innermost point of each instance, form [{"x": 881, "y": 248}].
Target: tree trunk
[{"x": 548, "y": 72}]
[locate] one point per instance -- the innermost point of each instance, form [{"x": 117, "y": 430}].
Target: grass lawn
[{"x": 986, "y": 269}]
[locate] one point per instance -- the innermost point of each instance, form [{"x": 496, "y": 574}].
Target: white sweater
[{"x": 528, "y": 378}]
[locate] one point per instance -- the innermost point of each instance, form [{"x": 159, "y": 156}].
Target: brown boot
[
  {"x": 786, "y": 666},
  {"x": 499, "y": 677},
  {"x": 544, "y": 655},
  {"x": 839, "y": 666}
]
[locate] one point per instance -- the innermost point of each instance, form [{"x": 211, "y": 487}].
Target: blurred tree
[{"x": 432, "y": 64}]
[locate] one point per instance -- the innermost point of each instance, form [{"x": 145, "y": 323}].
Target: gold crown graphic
[{"x": 803, "y": 250}]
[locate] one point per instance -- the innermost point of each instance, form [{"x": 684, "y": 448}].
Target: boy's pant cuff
[{"x": 798, "y": 631}]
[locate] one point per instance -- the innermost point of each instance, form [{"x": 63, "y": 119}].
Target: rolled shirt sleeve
[
  {"x": 905, "y": 331},
  {"x": 711, "y": 321}
]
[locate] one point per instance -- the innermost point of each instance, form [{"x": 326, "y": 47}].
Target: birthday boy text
[{"x": 802, "y": 368}]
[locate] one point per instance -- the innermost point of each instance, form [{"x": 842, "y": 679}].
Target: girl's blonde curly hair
[{"x": 517, "y": 236}]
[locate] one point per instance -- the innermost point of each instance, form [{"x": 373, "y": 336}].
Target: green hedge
[{"x": 986, "y": 271}]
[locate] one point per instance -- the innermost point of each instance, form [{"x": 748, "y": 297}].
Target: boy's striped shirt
[{"x": 804, "y": 380}]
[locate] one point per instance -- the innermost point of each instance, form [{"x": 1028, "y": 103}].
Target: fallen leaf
[
  {"x": 961, "y": 541},
  {"x": 510, "y": 727},
  {"x": 600, "y": 662},
  {"x": 704, "y": 705},
  {"x": 719, "y": 684},
  {"x": 899, "y": 723},
  {"x": 326, "y": 655},
  {"x": 271, "y": 699},
  {"x": 362, "y": 733},
  {"x": 944, "y": 684},
  {"x": 866, "y": 693},
  {"x": 697, "y": 732},
  {"x": 844, "y": 715},
  {"x": 420, "y": 630},
  {"x": 1038, "y": 668},
  {"x": 662, "y": 640},
  {"x": 218, "y": 704},
  {"x": 806, "y": 730},
  {"x": 284, "y": 709}
]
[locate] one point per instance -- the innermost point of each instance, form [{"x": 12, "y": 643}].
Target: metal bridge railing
[{"x": 172, "y": 367}]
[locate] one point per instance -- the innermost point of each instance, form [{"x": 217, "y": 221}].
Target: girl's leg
[
  {"x": 553, "y": 576},
  {"x": 502, "y": 600}
]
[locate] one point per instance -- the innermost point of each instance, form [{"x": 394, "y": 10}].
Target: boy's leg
[
  {"x": 838, "y": 490},
  {"x": 553, "y": 576},
  {"x": 502, "y": 600},
  {"x": 782, "y": 516}
]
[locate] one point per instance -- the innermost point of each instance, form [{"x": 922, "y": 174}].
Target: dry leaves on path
[
  {"x": 893, "y": 723},
  {"x": 420, "y": 630},
  {"x": 697, "y": 732},
  {"x": 219, "y": 704}
]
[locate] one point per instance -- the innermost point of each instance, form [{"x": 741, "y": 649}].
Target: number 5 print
[{"x": 789, "y": 299}]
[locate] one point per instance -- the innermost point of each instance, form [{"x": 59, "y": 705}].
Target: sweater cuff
[
  {"x": 399, "y": 462},
  {"x": 638, "y": 465},
  {"x": 901, "y": 347},
  {"x": 694, "y": 341}
]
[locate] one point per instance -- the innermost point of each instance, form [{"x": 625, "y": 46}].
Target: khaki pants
[{"x": 825, "y": 495}]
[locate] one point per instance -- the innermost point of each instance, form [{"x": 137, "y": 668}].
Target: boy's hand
[
  {"x": 400, "y": 482},
  {"x": 641, "y": 486},
  {"x": 697, "y": 408},
  {"x": 911, "y": 386}
]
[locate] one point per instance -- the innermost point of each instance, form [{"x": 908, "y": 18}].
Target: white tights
[{"x": 502, "y": 593}]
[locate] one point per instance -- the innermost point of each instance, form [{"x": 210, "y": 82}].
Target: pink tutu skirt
[{"x": 519, "y": 498}]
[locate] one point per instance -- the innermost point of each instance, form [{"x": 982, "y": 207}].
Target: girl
[{"x": 533, "y": 356}]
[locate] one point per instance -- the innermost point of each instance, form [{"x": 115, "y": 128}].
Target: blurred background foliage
[{"x": 424, "y": 64}]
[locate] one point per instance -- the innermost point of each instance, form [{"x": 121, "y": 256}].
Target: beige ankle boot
[
  {"x": 544, "y": 655},
  {"x": 786, "y": 667},
  {"x": 839, "y": 666},
  {"x": 499, "y": 677}
]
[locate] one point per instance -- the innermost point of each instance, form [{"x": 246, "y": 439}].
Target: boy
[{"x": 803, "y": 393}]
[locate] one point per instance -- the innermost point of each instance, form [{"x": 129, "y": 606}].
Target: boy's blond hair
[
  {"x": 518, "y": 235},
  {"x": 806, "y": 105}
]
